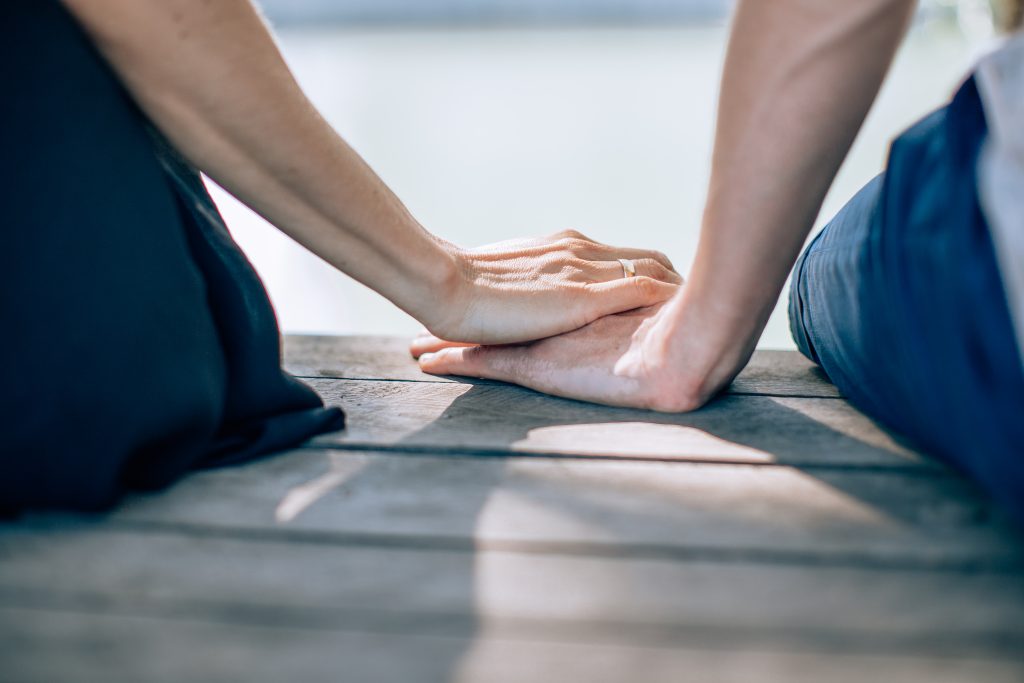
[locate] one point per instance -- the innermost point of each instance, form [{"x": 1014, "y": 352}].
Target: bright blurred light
[{"x": 489, "y": 133}]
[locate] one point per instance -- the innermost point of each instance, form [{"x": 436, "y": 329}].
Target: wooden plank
[
  {"x": 598, "y": 507},
  {"x": 353, "y": 357},
  {"x": 503, "y": 418},
  {"x": 777, "y": 373},
  {"x": 59, "y": 646},
  {"x": 93, "y": 567},
  {"x": 783, "y": 373}
]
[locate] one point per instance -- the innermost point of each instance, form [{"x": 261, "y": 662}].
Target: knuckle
[
  {"x": 474, "y": 359},
  {"x": 567, "y": 234},
  {"x": 654, "y": 268},
  {"x": 647, "y": 286},
  {"x": 668, "y": 275},
  {"x": 573, "y": 244}
]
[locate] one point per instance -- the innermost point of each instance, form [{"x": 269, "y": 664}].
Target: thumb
[
  {"x": 486, "y": 362},
  {"x": 428, "y": 343},
  {"x": 459, "y": 360}
]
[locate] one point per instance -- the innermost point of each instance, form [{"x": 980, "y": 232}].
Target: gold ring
[{"x": 628, "y": 269}]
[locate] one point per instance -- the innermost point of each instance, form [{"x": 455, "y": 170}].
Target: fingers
[
  {"x": 601, "y": 252},
  {"x": 648, "y": 267},
  {"x": 642, "y": 255},
  {"x": 453, "y": 361},
  {"x": 473, "y": 361},
  {"x": 592, "y": 250},
  {"x": 428, "y": 343},
  {"x": 581, "y": 247},
  {"x": 625, "y": 294}
]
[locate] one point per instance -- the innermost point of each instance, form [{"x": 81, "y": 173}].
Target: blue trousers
[{"x": 900, "y": 301}]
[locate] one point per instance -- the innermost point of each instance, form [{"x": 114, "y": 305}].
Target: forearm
[
  {"x": 211, "y": 78},
  {"x": 800, "y": 77}
]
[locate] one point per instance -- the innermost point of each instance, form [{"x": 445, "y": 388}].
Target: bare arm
[
  {"x": 799, "y": 78},
  {"x": 211, "y": 78}
]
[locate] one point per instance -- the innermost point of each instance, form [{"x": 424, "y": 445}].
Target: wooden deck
[{"x": 475, "y": 531}]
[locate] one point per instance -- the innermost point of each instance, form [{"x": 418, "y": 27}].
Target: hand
[
  {"x": 620, "y": 360},
  {"x": 520, "y": 290}
]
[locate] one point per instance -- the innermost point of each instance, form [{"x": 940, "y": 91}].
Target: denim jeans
[{"x": 900, "y": 301}]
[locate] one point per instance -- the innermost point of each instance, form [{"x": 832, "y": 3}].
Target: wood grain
[
  {"x": 48, "y": 645},
  {"x": 496, "y": 419},
  {"x": 472, "y": 531},
  {"x": 599, "y": 507},
  {"x": 175, "y": 574},
  {"x": 775, "y": 373}
]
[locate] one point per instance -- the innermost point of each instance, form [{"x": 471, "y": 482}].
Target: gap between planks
[
  {"x": 618, "y": 550},
  {"x": 948, "y": 646},
  {"x": 789, "y": 430},
  {"x": 107, "y": 649},
  {"x": 916, "y": 469},
  {"x": 453, "y": 379},
  {"x": 577, "y": 598}
]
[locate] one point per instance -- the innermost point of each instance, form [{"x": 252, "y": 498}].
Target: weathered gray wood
[
  {"x": 94, "y": 567},
  {"x": 501, "y": 418},
  {"x": 65, "y": 646},
  {"x": 598, "y": 507},
  {"x": 783, "y": 373},
  {"x": 353, "y": 357},
  {"x": 766, "y": 537},
  {"x": 777, "y": 373}
]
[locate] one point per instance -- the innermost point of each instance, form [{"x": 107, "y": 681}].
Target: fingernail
[{"x": 427, "y": 357}]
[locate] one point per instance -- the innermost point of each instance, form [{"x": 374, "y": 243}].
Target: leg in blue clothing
[{"x": 900, "y": 300}]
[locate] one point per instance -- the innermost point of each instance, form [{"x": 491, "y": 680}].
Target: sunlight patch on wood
[
  {"x": 639, "y": 439},
  {"x": 341, "y": 469},
  {"x": 853, "y": 425}
]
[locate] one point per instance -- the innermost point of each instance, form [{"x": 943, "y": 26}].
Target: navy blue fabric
[
  {"x": 138, "y": 342},
  {"x": 900, "y": 301}
]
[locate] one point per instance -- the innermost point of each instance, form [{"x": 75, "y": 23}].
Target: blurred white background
[{"x": 490, "y": 130}]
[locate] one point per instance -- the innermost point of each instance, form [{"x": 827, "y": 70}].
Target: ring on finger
[{"x": 628, "y": 269}]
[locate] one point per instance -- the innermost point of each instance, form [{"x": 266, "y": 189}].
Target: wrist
[
  {"x": 444, "y": 289},
  {"x": 694, "y": 350}
]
